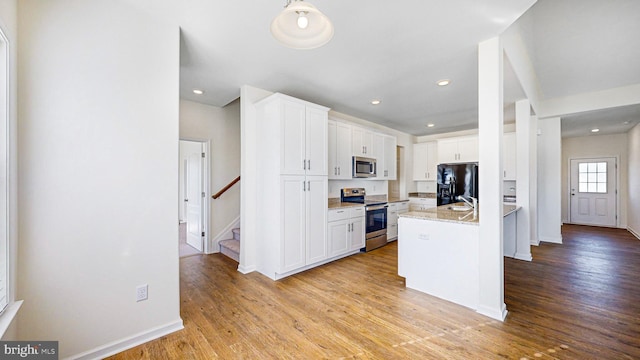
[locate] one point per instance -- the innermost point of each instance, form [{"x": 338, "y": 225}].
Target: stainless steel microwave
[{"x": 364, "y": 167}]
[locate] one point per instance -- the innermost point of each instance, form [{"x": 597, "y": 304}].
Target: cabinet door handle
[
  {"x": 335, "y": 170},
  {"x": 304, "y": 186},
  {"x": 308, "y": 185},
  {"x": 504, "y": 173},
  {"x": 304, "y": 164},
  {"x": 338, "y": 170},
  {"x": 308, "y": 164}
]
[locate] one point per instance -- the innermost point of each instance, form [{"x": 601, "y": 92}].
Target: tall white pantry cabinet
[{"x": 292, "y": 200}]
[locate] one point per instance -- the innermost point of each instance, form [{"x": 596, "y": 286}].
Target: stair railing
[{"x": 224, "y": 189}]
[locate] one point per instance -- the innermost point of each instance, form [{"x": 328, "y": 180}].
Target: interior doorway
[
  {"x": 593, "y": 191},
  {"x": 192, "y": 209}
]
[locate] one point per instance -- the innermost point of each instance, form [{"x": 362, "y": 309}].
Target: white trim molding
[{"x": 115, "y": 347}]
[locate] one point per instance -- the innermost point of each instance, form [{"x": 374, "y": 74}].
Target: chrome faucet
[{"x": 473, "y": 204}]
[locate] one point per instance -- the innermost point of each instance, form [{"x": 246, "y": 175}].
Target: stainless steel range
[{"x": 376, "y": 217}]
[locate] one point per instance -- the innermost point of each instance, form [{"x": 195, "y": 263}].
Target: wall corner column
[
  {"x": 524, "y": 173},
  {"x": 490, "y": 133}
]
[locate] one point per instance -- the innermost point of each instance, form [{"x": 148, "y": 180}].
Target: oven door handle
[{"x": 376, "y": 207}]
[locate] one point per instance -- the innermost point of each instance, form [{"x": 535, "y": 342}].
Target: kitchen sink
[{"x": 460, "y": 208}]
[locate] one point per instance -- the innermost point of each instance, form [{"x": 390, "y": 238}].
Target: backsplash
[
  {"x": 372, "y": 187},
  {"x": 426, "y": 186}
]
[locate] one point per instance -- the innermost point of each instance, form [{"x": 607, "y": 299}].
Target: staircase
[{"x": 231, "y": 247}]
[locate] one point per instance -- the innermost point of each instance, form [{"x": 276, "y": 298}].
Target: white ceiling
[{"x": 396, "y": 51}]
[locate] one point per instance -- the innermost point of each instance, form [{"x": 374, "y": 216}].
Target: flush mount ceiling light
[
  {"x": 430, "y": 125},
  {"x": 301, "y": 26},
  {"x": 595, "y": 130},
  {"x": 375, "y": 102},
  {"x": 198, "y": 91},
  {"x": 443, "y": 82}
]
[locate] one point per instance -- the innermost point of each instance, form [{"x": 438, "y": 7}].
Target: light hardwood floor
[{"x": 579, "y": 300}]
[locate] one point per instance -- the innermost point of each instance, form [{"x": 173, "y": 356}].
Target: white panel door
[
  {"x": 448, "y": 151},
  {"x": 509, "y": 153},
  {"x": 356, "y": 240},
  {"x": 593, "y": 192},
  {"x": 343, "y": 151},
  {"x": 337, "y": 237},
  {"x": 468, "y": 149},
  {"x": 293, "y": 223},
  {"x": 432, "y": 161},
  {"x": 292, "y": 139},
  {"x": 316, "y": 194},
  {"x": 332, "y": 142},
  {"x": 420, "y": 161},
  {"x": 316, "y": 142},
  {"x": 194, "y": 190},
  {"x": 390, "y": 148}
]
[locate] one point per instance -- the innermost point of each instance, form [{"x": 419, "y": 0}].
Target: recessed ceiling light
[
  {"x": 595, "y": 130},
  {"x": 375, "y": 102},
  {"x": 431, "y": 125},
  {"x": 443, "y": 82},
  {"x": 626, "y": 122},
  {"x": 198, "y": 91}
]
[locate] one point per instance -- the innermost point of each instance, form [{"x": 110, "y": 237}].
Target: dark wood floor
[{"x": 579, "y": 300}]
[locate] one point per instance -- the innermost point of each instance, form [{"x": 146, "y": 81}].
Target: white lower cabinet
[
  {"x": 345, "y": 229},
  {"x": 417, "y": 204},
  {"x": 392, "y": 218},
  {"x": 304, "y": 217}
]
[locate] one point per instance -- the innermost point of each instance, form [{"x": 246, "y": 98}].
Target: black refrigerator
[{"x": 457, "y": 180}]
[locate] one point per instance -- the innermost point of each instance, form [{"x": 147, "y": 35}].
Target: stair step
[
  {"x": 236, "y": 233},
  {"x": 230, "y": 248}
]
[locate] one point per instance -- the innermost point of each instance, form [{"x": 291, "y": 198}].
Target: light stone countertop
[
  {"x": 335, "y": 203},
  {"x": 422, "y": 195},
  {"x": 443, "y": 213}
]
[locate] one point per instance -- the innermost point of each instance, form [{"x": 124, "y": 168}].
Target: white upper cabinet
[
  {"x": 339, "y": 150},
  {"x": 390, "y": 158},
  {"x": 362, "y": 142},
  {"x": 303, "y": 136},
  {"x": 509, "y": 152},
  {"x": 459, "y": 149},
  {"x": 378, "y": 154},
  {"x": 425, "y": 161}
]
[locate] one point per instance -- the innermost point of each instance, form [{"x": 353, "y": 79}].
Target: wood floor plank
[{"x": 577, "y": 300}]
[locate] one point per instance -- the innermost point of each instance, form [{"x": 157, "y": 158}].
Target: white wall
[
  {"x": 98, "y": 144},
  {"x": 249, "y": 176},
  {"x": 549, "y": 180},
  {"x": 597, "y": 146},
  {"x": 633, "y": 210},
  {"x": 8, "y": 24},
  {"x": 220, "y": 127}
]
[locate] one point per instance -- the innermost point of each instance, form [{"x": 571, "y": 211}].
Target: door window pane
[{"x": 592, "y": 177}]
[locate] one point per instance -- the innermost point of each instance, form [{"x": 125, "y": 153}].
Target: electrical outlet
[{"x": 142, "y": 292}]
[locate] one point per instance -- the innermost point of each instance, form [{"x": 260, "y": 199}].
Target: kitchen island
[{"x": 438, "y": 252}]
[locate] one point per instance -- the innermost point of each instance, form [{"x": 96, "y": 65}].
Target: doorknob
[{"x": 186, "y": 200}]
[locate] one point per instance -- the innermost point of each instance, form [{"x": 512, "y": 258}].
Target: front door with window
[{"x": 593, "y": 196}]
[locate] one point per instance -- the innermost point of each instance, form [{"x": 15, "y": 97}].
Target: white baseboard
[
  {"x": 246, "y": 269},
  {"x": 552, "y": 239},
  {"x": 525, "y": 256},
  {"x": 535, "y": 242},
  {"x": 115, "y": 347},
  {"x": 498, "y": 314},
  {"x": 226, "y": 233},
  {"x": 634, "y": 232}
]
